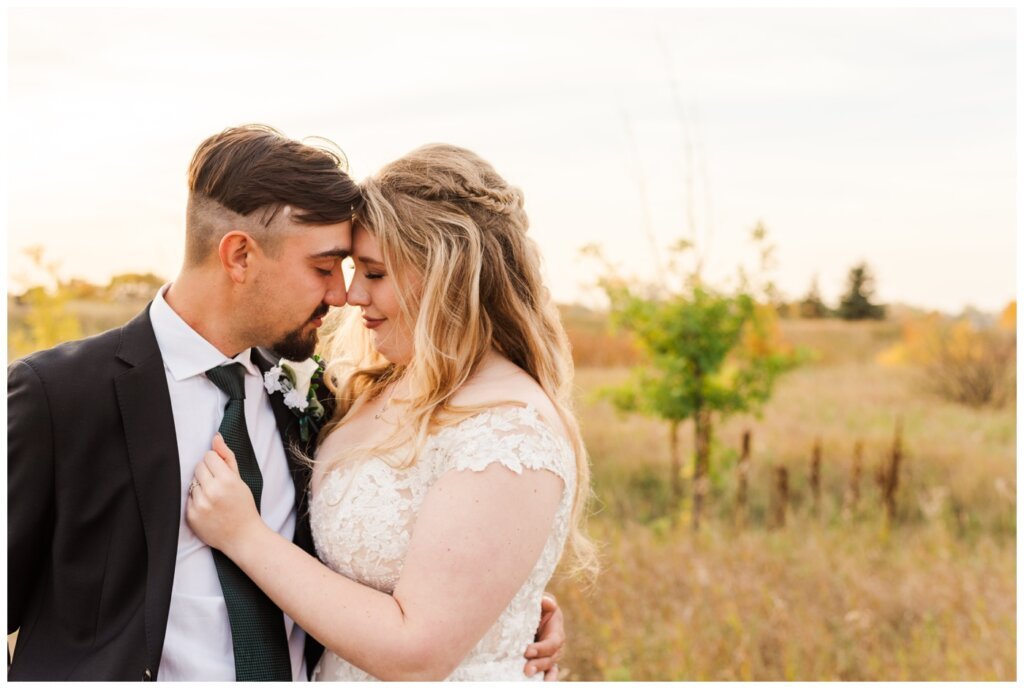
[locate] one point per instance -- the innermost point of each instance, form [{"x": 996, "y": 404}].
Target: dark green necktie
[{"x": 257, "y": 625}]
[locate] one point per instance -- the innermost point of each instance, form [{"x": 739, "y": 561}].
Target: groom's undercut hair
[{"x": 242, "y": 178}]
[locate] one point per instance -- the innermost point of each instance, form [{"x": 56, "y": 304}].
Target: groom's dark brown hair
[{"x": 257, "y": 168}]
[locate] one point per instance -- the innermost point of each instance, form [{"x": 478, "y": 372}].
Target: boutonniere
[{"x": 298, "y": 382}]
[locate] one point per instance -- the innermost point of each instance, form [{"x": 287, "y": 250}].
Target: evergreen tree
[
  {"x": 856, "y": 303},
  {"x": 812, "y": 306}
]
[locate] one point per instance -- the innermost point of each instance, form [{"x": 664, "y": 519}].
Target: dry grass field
[{"x": 835, "y": 595}]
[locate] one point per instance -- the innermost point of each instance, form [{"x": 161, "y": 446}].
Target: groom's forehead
[{"x": 334, "y": 239}]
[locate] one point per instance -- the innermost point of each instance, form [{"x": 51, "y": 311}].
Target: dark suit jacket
[{"x": 93, "y": 502}]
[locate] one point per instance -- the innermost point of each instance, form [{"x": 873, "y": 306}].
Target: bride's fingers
[
  {"x": 213, "y": 463},
  {"x": 552, "y": 674},
  {"x": 203, "y": 473},
  {"x": 222, "y": 449}
]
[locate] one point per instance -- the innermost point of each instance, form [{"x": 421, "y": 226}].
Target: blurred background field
[{"x": 837, "y": 593}]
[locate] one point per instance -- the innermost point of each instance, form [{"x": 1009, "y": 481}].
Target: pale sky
[{"x": 886, "y": 135}]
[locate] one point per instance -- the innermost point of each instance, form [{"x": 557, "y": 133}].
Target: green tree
[
  {"x": 708, "y": 353},
  {"x": 46, "y": 321},
  {"x": 856, "y": 304}
]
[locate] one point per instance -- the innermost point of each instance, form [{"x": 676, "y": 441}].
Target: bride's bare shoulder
[{"x": 498, "y": 380}]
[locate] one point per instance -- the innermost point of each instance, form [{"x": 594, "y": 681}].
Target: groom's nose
[{"x": 335, "y": 294}]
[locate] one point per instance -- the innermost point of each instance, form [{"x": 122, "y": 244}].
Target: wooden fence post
[
  {"x": 742, "y": 471},
  {"x": 816, "y": 477},
  {"x": 892, "y": 477}
]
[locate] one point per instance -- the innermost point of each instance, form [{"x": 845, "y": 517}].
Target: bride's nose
[{"x": 357, "y": 293}]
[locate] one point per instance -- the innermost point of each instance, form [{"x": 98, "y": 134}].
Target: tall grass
[
  {"x": 808, "y": 602},
  {"x": 834, "y": 595}
]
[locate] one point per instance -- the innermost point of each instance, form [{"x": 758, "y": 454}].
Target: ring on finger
[{"x": 191, "y": 486}]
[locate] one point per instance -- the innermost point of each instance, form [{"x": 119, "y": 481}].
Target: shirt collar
[{"x": 185, "y": 352}]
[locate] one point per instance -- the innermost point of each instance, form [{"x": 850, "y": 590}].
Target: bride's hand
[{"x": 221, "y": 509}]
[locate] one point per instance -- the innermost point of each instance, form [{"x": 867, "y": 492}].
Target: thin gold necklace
[{"x": 384, "y": 408}]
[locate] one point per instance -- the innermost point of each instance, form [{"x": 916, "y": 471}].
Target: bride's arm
[{"x": 477, "y": 537}]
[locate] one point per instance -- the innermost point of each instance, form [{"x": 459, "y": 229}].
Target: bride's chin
[
  {"x": 391, "y": 359},
  {"x": 382, "y": 351}
]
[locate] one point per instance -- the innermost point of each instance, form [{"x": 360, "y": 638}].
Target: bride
[{"x": 452, "y": 474}]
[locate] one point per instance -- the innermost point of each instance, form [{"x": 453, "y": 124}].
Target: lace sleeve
[{"x": 515, "y": 437}]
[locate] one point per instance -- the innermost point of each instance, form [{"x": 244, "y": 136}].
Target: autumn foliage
[{"x": 960, "y": 360}]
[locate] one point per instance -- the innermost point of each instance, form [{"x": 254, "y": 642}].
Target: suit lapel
[{"x": 148, "y": 419}]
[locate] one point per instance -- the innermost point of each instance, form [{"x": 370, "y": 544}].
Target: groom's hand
[{"x": 546, "y": 650}]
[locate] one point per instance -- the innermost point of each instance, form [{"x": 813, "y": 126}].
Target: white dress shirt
[{"x": 197, "y": 645}]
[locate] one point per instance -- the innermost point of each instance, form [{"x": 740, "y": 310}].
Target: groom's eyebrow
[{"x": 333, "y": 253}]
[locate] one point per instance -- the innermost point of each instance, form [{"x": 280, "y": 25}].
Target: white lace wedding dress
[{"x": 363, "y": 515}]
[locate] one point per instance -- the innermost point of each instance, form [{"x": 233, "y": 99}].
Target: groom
[{"x": 105, "y": 579}]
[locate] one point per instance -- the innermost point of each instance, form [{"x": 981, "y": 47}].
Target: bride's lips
[{"x": 372, "y": 323}]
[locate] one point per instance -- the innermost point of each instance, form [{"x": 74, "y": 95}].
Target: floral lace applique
[{"x": 363, "y": 514}]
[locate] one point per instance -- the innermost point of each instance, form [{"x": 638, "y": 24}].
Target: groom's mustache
[{"x": 320, "y": 312}]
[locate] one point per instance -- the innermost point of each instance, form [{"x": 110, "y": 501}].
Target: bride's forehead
[{"x": 365, "y": 244}]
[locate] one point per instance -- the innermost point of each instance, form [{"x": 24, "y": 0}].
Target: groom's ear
[{"x": 236, "y": 252}]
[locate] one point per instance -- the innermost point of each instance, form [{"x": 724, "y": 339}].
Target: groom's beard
[{"x": 300, "y": 344}]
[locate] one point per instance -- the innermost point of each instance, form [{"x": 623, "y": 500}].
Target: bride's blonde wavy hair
[{"x": 446, "y": 222}]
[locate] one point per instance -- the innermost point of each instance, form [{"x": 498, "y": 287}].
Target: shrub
[{"x": 960, "y": 361}]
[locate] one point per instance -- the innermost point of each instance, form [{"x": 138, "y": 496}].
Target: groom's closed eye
[
  {"x": 325, "y": 262},
  {"x": 327, "y": 268}
]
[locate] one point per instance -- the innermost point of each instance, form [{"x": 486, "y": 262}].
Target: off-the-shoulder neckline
[{"x": 524, "y": 407}]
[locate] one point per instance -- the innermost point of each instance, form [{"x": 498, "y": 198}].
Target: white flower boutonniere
[{"x": 298, "y": 382}]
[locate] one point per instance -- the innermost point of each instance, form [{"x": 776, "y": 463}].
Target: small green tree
[
  {"x": 708, "y": 353},
  {"x": 856, "y": 303}
]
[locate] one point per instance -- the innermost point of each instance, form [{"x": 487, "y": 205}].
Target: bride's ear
[{"x": 236, "y": 252}]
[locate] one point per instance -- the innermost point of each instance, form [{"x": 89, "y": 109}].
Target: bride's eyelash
[{"x": 373, "y": 276}]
